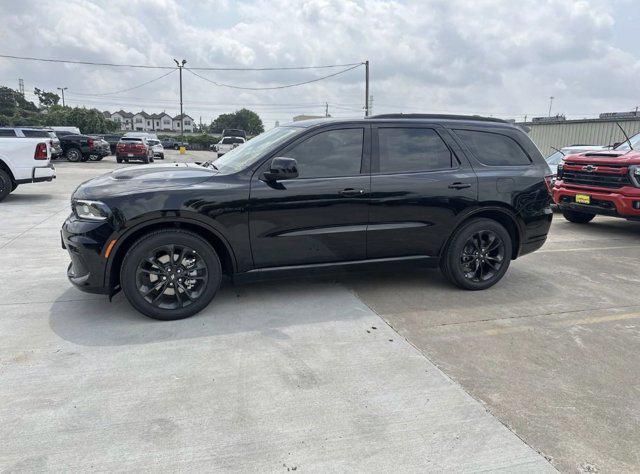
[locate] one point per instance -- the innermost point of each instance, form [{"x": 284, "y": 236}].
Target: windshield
[
  {"x": 242, "y": 156},
  {"x": 554, "y": 159},
  {"x": 635, "y": 141}
]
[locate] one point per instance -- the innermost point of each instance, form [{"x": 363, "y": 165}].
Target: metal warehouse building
[{"x": 560, "y": 133}]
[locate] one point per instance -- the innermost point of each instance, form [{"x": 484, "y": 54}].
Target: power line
[
  {"x": 284, "y": 68},
  {"x": 86, "y": 63},
  {"x": 207, "y": 68},
  {"x": 274, "y": 87},
  {"x": 129, "y": 89}
]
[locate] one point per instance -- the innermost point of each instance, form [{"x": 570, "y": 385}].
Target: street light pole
[
  {"x": 550, "y": 104},
  {"x": 180, "y": 66},
  {"x": 366, "y": 88},
  {"x": 62, "y": 89}
]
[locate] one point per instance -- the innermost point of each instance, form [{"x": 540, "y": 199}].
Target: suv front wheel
[
  {"x": 170, "y": 274},
  {"x": 478, "y": 255}
]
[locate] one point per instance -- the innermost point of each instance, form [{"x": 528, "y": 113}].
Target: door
[
  {"x": 420, "y": 182},
  {"x": 321, "y": 216}
]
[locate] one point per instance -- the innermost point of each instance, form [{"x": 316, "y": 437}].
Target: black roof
[
  {"x": 476, "y": 118},
  {"x": 394, "y": 117}
]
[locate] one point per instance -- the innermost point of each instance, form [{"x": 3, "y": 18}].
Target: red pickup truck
[{"x": 604, "y": 182}]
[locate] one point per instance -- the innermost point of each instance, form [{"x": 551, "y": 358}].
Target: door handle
[
  {"x": 350, "y": 192},
  {"x": 459, "y": 185}
]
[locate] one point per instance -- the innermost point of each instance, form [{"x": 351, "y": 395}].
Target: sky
[{"x": 490, "y": 57}]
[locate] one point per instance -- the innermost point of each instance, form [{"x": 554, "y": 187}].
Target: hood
[
  {"x": 608, "y": 157},
  {"x": 144, "y": 178}
]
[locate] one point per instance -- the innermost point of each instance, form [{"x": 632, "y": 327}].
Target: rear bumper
[
  {"x": 40, "y": 174},
  {"x": 622, "y": 202},
  {"x": 125, "y": 156}
]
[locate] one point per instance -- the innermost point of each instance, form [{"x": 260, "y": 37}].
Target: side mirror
[{"x": 281, "y": 168}]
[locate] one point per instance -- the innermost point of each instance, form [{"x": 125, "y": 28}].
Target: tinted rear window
[
  {"x": 494, "y": 149},
  {"x": 7, "y": 133},
  {"x": 131, "y": 139},
  {"x": 36, "y": 133},
  {"x": 406, "y": 150}
]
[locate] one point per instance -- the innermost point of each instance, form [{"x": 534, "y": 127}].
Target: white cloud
[{"x": 488, "y": 56}]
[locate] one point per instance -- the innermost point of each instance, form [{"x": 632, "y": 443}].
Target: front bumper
[
  {"x": 621, "y": 202},
  {"x": 85, "y": 241}
]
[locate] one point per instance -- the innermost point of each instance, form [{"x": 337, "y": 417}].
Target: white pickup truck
[{"x": 23, "y": 160}]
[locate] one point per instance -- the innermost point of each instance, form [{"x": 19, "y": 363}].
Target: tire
[
  {"x": 145, "y": 160},
  {"x": 176, "y": 147},
  {"x": 138, "y": 276},
  {"x": 73, "y": 154},
  {"x": 94, "y": 158},
  {"x": 118, "y": 160},
  {"x": 6, "y": 184},
  {"x": 152, "y": 159},
  {"x": 478, "y": 255},
  {"x": 577, "y": 217},
  {"x": 161, "y": 156}
]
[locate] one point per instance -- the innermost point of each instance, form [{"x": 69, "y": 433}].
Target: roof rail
[{"x": 477, "y": 118}]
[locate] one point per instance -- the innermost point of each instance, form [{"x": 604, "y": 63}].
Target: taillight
[
  {"x": 41, "y": 152},
  {"x": 90, "y": 143}
]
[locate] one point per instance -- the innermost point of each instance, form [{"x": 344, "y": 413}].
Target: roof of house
[
  {"x": 124, "y": 114},
  {"x": 178, "y": 117},
  {"x": 106, "y": 113},
  {"x": 144, "y": 114}
]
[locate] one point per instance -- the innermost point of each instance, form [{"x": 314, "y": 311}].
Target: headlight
[
  {"x": 91, "y": 210},
  {"x": 634, "y": 172}
]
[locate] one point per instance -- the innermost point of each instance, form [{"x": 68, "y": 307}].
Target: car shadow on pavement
[
  {"x": 27, "y": 198},
  {"x": 265, "y": 307}
]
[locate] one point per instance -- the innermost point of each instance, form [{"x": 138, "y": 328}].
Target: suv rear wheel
[
  {"x": 170, "y": 274},
  {"x": 577, "y": 217},
  {"x": 6, "y": 185},
  {"x": 478, "y": 255}
]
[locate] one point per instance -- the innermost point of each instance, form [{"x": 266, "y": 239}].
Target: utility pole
[
  {"x": 366, "y": 88},
  {"x": 371, "y": 104},
  {"x": 21, "y": 86},
  {"x": 180, "y": 66},
  {"x": 62, "y": 89},
  {"x": 550, "y": 104},
  {"x": 326, "y": 109}
]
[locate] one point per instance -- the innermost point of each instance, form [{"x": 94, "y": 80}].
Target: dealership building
[{"x": 558, "y": 132}]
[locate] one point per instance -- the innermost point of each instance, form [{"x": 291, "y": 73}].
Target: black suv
[{"x": 467, "y": 193}]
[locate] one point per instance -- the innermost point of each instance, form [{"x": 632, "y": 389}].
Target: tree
[
  {"x": 14, "y": 108},
  {"x": 46, "y": 99},
  {"x": 244, "y": 119}
]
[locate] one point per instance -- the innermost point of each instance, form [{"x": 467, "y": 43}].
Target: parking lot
[{"x": 371, "y": 371}]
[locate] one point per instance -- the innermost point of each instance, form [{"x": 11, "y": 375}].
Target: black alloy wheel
[
  {"x": 482, "y": 256},
  {"x": 170, "y": 274},
  {"x": 477, "y": 255},
  {"x": 172, "y": 277}
]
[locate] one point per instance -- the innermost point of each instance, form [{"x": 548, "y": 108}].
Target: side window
[
  {"x": 35, "y": 133},
  {"x": 7, "y": 133},
  {"x": 494, "y": 149},
  {"x": 328, "y": 154},
  {"x": 405, "y": 150}
]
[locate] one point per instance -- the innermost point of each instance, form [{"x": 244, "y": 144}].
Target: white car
[
  {"x": 227, "y": 144},
  {"x": 554, "y": 159},
  {"x": 23, "y": 160},
  {"x": 156, "y": 146}
]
